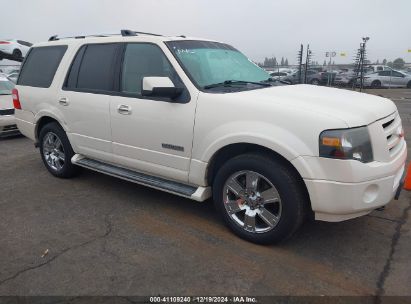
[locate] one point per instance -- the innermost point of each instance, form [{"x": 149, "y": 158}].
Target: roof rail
[
  {"x": 135, "y": 33},
  {"x": 124, "y": 33}
]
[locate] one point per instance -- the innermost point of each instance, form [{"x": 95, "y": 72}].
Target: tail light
[
  {"x": 16, "y": 99},
  {"x": 4, "y": 42}
]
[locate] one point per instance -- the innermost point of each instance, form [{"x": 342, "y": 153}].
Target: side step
[{"x": 198, "y": 194}]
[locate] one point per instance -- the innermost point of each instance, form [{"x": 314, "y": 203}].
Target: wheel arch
[
  {"x": 232, "y": 150},
  {"x": 229, "y": 151},
  {"x": 42, "y": 120}
]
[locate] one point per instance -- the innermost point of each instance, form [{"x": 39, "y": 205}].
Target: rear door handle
[
  {"x": 124, "y": 109},
  {"x": 64, "y": 101}
]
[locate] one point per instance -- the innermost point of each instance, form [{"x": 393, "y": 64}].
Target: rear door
[
  {"x": 385, "y": 78},
  {"x": 398, "y": 79},
  {"x": 85, "y": 99}
]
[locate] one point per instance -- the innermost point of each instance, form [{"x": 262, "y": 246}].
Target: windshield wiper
[
  {"x": 230, "y": 82},
  {"x": 275, "y": 80}
]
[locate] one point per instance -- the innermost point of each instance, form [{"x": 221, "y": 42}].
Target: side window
[
  {"x": 24, "y": 43},
  {"x": 41, "y": 65},
  {"x": 384, "y": 73},
  {"x": 144, "y": 60},
  {"x": 97, "y": 67},
  {"x": 397, "y": 74}
]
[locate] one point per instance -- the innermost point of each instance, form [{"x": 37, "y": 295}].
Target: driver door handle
[{"x": 124, "y": 109}]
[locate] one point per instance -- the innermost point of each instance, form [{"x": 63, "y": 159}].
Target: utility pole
[
  {"x": 360, "y": 60},
  {"x": 331, "y": 55},
  {"x": 300, "y": 63},
  {"x": 307, "y": 62}
]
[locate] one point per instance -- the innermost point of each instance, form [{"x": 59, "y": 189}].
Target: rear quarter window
[{"x": 41, "y": 65}]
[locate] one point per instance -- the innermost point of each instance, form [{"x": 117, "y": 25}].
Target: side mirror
[{"x": 160, "y": 87}]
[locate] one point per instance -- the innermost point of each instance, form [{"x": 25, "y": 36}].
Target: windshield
[
  {"x": 211, "y": 62},
  {"x": 6, "y": 87}
]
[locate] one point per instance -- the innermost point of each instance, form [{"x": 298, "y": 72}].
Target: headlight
[{"x": 352, "y": 143}]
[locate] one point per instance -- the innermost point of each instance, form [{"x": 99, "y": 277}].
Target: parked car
[
  {"x": 378, "y": 68},
  {"x": 344, "y": 78},
  {"x": 197, "y": 119},
  {"x": 16, "y": 48},
  {"x": 388, "y": 78},
  {"x": 278, "y": 75},
  {"x": 328, "y": 77},
  {"x": 7, "y": 123},
  {"x": 13, "y": 77},
  {"x": 313, "y": 77}
]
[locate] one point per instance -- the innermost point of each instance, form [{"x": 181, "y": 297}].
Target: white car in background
[
  {"x": 7, "y": 123},
  {"x": 15, "y": 48},
  {"x": 388, "y": 78},
  {"x": 13, "y": 77}
]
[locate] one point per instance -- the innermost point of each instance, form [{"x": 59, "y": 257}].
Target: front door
[{"x": 152, "y": 135}]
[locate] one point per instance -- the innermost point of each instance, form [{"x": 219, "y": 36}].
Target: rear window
[
  {"x": 41, "y": 65},
  {"x": 93, "y": 68}
]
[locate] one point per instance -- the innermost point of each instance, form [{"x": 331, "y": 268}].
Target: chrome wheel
[
  {"x": 252, "y": 201},
  {"x": 53, "y": 151}
]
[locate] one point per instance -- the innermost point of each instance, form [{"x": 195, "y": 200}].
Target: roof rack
[
  {"x": 124, "y": 33},
  {"x": 135, "y": 33}
]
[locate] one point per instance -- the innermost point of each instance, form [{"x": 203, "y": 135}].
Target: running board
[{"x": 199, "y": 194}]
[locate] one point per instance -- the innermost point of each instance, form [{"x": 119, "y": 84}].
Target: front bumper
[
  {"x": 337, "y": 201},
  {"x": 8, "y": 126},
  {"x": 345, "y": 189}
]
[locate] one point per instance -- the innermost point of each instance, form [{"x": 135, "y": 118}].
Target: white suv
[{"x": 198, "y": 119}]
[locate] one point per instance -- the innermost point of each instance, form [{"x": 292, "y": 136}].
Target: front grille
[
  {"x": 7, "y": 112},
  {"x": 392, "y": 130}
]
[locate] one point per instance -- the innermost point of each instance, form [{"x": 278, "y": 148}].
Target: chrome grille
[{"x": 393, "y": 132}]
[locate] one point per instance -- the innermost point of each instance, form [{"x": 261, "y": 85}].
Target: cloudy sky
[{"x": 260, "y": 28}]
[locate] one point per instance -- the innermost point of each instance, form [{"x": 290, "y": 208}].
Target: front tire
[
  {"x": 56, "y": 151},
  {"x": 259, "y": 198}
]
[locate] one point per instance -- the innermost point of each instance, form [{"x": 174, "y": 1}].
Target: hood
[
  {"x": 6, "y": 102},
  {"x": 354, "y": 108}
]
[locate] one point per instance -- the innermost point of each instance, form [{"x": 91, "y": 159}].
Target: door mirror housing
[{"x": 160, "y": 87}]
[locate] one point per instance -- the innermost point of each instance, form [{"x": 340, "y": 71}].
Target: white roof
[{"x": 118, "y": 38}]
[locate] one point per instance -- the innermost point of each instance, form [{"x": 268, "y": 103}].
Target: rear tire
[
  {"x": 409, "y": 84},
  {"x": 276, "y": 190},
  {"x": 376, "y": 84},
  {"x": 56, "y": 151}
]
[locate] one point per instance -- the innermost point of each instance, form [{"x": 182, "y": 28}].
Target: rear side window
[
  {"x": 24, "y": 43},
  {"x": 93, "y": 68},
  {"x": 41, "y": 65}
]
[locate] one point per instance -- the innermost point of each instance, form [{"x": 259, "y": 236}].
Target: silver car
[{"x": 388, "y": 78}]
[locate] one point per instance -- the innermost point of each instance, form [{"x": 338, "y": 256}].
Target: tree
[
  {"x": 377, "y": 62},
  {"x": 286, "y": 62},
  {"x": 384, "y": 62},
  {"x": 389, "y": 63},
  {"x": 325, "y": 63},
  {"x": 282, "y": 61},
  {"x": 398, "y": 63}
]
